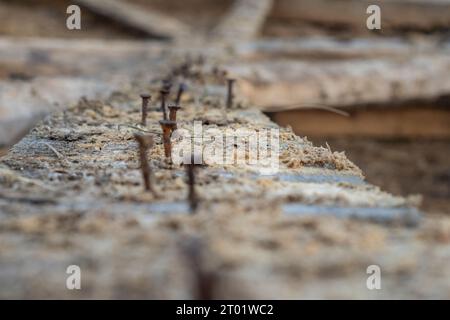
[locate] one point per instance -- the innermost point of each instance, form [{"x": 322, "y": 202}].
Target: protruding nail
[
  {"x": 145, "y": 143},
  {"x": 164, "y": 94},
  {"x": 167, "y": 85},
  {"x": 167, "y": 127},
  {"x": 181, "y": 89},
  {"x": 230, "y": 94},
  {"x": 192, "y": 195},
  {"x": 173, "y": 108},
  {"x": 203, "y": 280},
  {"x": 145, "y": 99}
]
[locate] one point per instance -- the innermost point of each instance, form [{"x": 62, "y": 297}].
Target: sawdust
[{"x": 308, "y": 155}]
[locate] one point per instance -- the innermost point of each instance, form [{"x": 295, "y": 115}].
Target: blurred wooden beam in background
[
  {"x": 325, "y": 47},
  {"x": 74, "y": 57},
  {"x": 278, "y": 85},
  {"x": 409, "y": 14},
  {"x": 132, "y": 16},
  {"x": 243, "y": 21}
]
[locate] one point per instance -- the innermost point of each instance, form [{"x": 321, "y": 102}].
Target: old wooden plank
[
  {"x": 132, "y": 16},
  {"x": 82, "y": 57},
  {"x": 243, "y": 21},
  {"x": 282, "y": 85},
  {"x": 304, "y": 173},
  {"x": 415, "y": 14},
  {"x": 324, "y": 47},
  {"x": 93, "y": 191}
]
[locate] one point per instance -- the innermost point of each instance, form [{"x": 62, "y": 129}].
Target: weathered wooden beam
[
  {"x": 78, "y": 173},
  {"x": 59, "y": 56},
  {"x": 324, "y": 47},
  {"x": 22, "y": 50},
  {"x": 132, "y": 16},
  {"x": 410, "y": 14},
  {"x": 244, "y": 20},
  {"x": 282, "y": 85},
  {"x": 81, "y": 57}
]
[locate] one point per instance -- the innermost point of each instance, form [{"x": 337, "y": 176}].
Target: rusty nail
[
  {"x": 145, "y": 99},
  {"x": 181, "y": 89},
  {"x": 167, "y": 85},
  {"x": 167, "y": 128},
  {"x": 145, "y": 142},
  {"x": 204, "y": 281},
  {"x": 173, "y": 108},
  {"x": 230, "y": 94},
  {"x": 192, "y": 196},
  {"x": 164, "y": 94}
]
